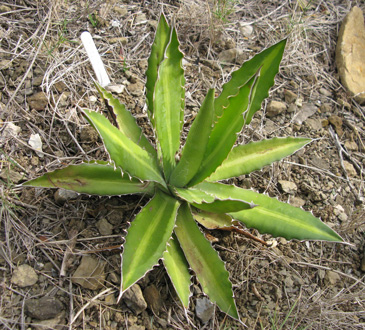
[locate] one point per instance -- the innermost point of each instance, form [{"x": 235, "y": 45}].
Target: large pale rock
[
  {"x": 90, "y": 274},
  {"x": 350, "y": 52}
]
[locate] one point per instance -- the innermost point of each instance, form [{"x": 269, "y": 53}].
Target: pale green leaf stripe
[
  {"x": 157, "y": 55},
  {"x": 178, "y": 270},
  {"x": 269, "y": 61},
  {"x": 205, "y": 262},
  {"x": 192, "y": 195},
  {"x": 147, "y": 236},
  {"x": 97, "y": 178},
  {"x": 253, "y": 156},
  {"x": 126, "y": 154},
  {"x": 277, "y": 218},
  {"x": 212, "y": 220},
  {"x": 126, "y": 122},
  {"x": 168, "y": 104},
  {"x": 196, "y": 143},
  {"x": 224, "y": 133}
]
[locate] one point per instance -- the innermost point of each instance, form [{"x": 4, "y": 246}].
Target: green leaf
[
  {"x": 96, "y": 178},
  {"x": 268, "y": 60},
  {"x": 193, "y": 152},
  {"x": 213, "y": 201},
  {"x": 211, "y": 220},
  {"x": 126, "y": 154},
  {"x": 126, "y": 122},
  {"x": 178, "y": 270},
  {"x": 154, "y": 61},
  {"x": 168, "y": 104},
  {"x": 277, "y": 218},
  {"x": 253, "y": 156},
  {"x": 147, "y": 236},
  {"x": 205, "y": 262},
  {"x": 224, "y": 133}
]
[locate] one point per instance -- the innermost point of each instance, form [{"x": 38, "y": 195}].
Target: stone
[
  {"x": 336, "y": 121},
  {"x": 140, "y": 18},
  {"x": 90, "y": 274},
  {"x": 153, "y": 298},
  {"x": 121, "y": 40},
  {"x": 351, "y": 145},
  {"x": 314, "y": 124},
  {"x": 89, "y": 135},
  {"x": 122, "y": 11},
  {"x": 332, "y": 277},
  {"x": 137, "y": 327},
  {"x": 289, "y": 96},
  {"x": 350, "y": 169},
  {"x": 57, "y": 323},
  {"x": 246, "y": 30},
  {"x": 9, "y": 175},
  {"x": 119, "y": 89},
  {"x": 38, "y": 101},
  {"x": 350, "y": 52},
  {"x": 204, "y": 309},
  {"x": 43, "y": 308},
  {"x": 4, "y": 9},
  {"x": 325, "y": 92},
  {"x": 36, "y": 143},
  {"x": 136, "y": 89},
  {"x": 110, "y": 300},
  {"x": 134, "y": 299},
  {"x": 308, "y": 110},
  {"x": 288, "y": 186},
  {"x": 231, "y": 55},
  {"x": 61, "y": 196},
  {"x": 24, "y": 276},
  {"x": 275, "y": 108},
  {"x": 297, "y": 202},
  {"x": 104, "y": 227}
]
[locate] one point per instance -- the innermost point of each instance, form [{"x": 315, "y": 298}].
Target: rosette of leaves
[{"x": 185, "y": 193}]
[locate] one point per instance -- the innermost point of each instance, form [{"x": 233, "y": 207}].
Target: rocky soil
[{"x": 59, "y": 252}]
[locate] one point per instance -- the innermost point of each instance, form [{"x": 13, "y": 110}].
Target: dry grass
[{"x": 41, "y": 39}]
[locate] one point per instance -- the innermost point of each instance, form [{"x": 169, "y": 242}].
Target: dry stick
[
  {"x": 33, "y": 60},
  {"x": 68, "y": 253}
]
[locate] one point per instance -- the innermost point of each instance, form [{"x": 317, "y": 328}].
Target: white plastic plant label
[{"x": 95, "y": 59}]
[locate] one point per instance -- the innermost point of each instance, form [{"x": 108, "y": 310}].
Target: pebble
[
  {"x": 24, "y": 276},
  {"x": 275, "y": 108},
  {"x": 122, "y": 11},
  {"x": 153, "y": 298},
  {"x": 11, "y": 175},
  {"x": 314, "y": 124},
  {"x": 325, "y": 92},
  {"x": 121, "y": 40},
  {"x": 140, "y": 19},
  {"x": 297, "y": 202},
  {"x": 88, "y": 135},
  {"x": 134, "y": 299},
  {"x": 307, "y": 111},
  {"x": 90, "y": 274},
  {"x": 38, "y": 101},
  {"x": 288, "y": 186},
  {"x": 43, "y": 308},
  {"x": 232, "y": 55},
  {"x": 351, "y": 145},
  {"x": 336, "y": 121},
  {"x": 118, "y": 89},
  {"x": 350, "y": 169},
  {"x": 204, "y": 309},
  {"x": 104, "y": 227},
  {"x": 332, "y": 277},
  {"x": 61, "y": 196},
  {"x": 136, "y": 89},
  {"x": 36, "y": 143},
  {"x": 246, "y": 30},
  {"x": 56, "y": 323},
  {"x": 289, "y": 96}
]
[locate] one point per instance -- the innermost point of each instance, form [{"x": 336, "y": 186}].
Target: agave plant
[{"x": 185, "y": 192}]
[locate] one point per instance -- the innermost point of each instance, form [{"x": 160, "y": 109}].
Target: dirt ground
[{"x": 45, "y": 78}]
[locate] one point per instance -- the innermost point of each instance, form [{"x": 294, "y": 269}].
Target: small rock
[
  {"x": 89, "y": 135},
  {"x": 314, "y": 124},
  {"x": 133, "y": 298},
  {"x": 307, "y": 110},
  {"x": 110, "y": 300},
  {"x": 24, "y": 276},
  {"x": 141, "y": 19},
  {"x": 297, "y": 202},
  {"x": 119, "y": 89},
  {"x": 204, "y": 309},
  {"x": 292, "y": 108},
  {"x": 288, "y": 186},
  {"x": 336, "y": 121},
  {"x": 332, "y": 277},
  {"x": 44, "y": 308},
  {"x": 60, "y": 86},
  {"x": 351, "y": 145},
  {"x": 289, "y": 96},
  {"x": 61, "y": 196},
  {"x": 90, "y": 274},
  {"x": 136, "y": 89},
  {"x": 246, "y": 30},
  {"x": 121, "y": 40},
  {"x": 299, "y": 102},
  {"x": 122, "y": 11},
  {"x": 36, "y": 143},
  {"x": 350, "y": 169},
  {"x": 344, "y": 104},
  {"x": 4, "y": 9},
  {"x": 9, "y": 131},
  {"x": 38, "y": 101},
  {"x": 275, "y": 108},
  {"x": 137, "y": 327},
  {"x": 10, "y": 175},
  {"x": 57, "y": 323},
  {"x": 231, "y": 55},
  {"x": 362, "y": 265},
  {"x": 153, "y": 298},
  {"x": 350, "y": 51},
  {"x": 104, "y": 227},
  {"x": 325, "y": 92}
]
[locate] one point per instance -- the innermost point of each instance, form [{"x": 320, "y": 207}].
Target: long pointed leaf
[
  {"x": 126, "y": 154},
  {"x": 98, "y": 178},
  {"x": 269, "y": 61},
  {"x": 205, "y": 262},
  {"x": 253, "y": 156},
  {"x": 154, "y": 61},
  {"x": 196, "y": 143},
  {"x": 147, "y": 236},
  {"x": 178, "y": 270},
  {"x": 277, "y": 218},
  {"x": 213, "y": 220},
  {"x": 224, "y": 133},
  {"x": 126, "y": 122},
  {"x": 168, "y": 104}
]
